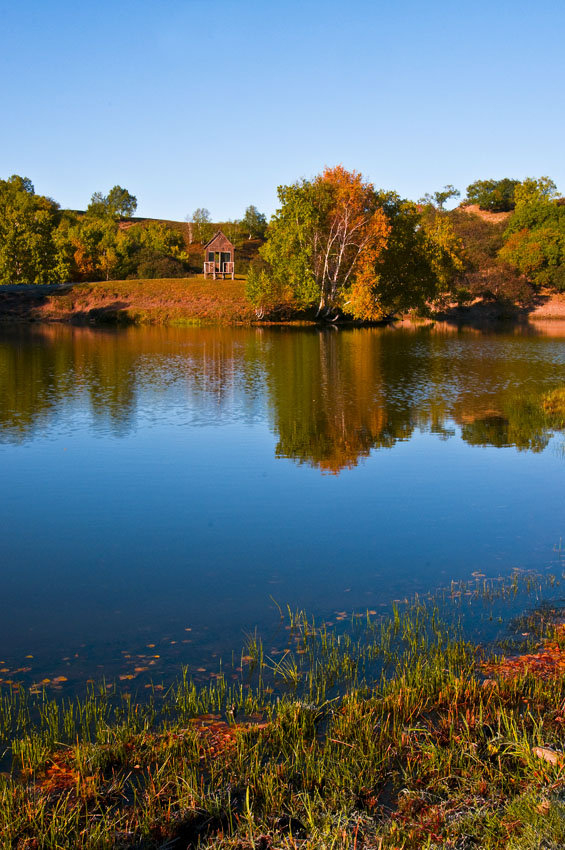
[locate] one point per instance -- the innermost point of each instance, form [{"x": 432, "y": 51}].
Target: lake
[{"x": 163, "y": 488}]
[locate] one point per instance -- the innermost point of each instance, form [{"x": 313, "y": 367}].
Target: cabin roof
[{"x": 219, "y": 234}]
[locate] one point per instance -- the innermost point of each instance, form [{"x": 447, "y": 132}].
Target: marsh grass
[{"x": 388, "y": 732}]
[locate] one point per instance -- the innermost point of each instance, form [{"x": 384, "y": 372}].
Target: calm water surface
[{"x": 161, "y": 486}]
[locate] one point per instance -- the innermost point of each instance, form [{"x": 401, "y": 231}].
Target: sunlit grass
[
  {"x": 157, "y": 301},
  {"x": 388, "y": 732}
]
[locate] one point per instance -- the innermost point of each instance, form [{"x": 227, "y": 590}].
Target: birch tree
[{"x": 325, "y": 239}]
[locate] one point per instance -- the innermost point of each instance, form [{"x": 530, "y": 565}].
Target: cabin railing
[{"x": 213, "y": 268}]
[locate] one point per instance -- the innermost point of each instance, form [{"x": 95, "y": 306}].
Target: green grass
[{"x": 380, "y": 735}]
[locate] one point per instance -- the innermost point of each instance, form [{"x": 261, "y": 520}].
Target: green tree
[
  {"x": 28, "y": 250},
  {"x": 493, "y": 195},
  {"x": 404, "y": 274},
  {"x": 150, "y": 250},
  {"x": 118, "y": 203},
  {"x": 444, "y": 250},
  {"x": 254, "y": 222},
  {"x": 201, "y": 222},
  {"x": 439, "y": 199},
  {"x": 535, "y": 190},
  {"x": 324, "y": 240},
  {"x": 534, "y": 241}
]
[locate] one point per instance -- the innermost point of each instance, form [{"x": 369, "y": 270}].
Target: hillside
[
  {"x": 246, "y": 250},
  {"x": 182, "y": 301},
  {"x": 485, "y": 215}
]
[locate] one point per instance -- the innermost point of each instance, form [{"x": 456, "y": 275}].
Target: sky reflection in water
[{"x": 157, "y": 480}]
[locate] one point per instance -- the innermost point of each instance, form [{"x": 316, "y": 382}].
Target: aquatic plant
[{"x": 386, "y": 732}]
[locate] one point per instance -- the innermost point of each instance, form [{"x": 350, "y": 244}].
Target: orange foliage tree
[{"x": 323, "y": 244}]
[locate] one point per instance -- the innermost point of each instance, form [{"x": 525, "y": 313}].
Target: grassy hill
[{"x": 181, "y": 301}]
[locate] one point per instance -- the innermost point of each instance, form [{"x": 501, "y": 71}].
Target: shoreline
[
  {"x": 194, "y": 301},
  {"x": 404, "y": 734}
]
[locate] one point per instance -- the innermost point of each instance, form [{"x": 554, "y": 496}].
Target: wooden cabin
[{"x": 219, "y": 257}]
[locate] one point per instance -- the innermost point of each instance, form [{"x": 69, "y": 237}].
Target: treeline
[
  {"x": 339, "y": 246},
  {"x": 41, "y": 244},
  {"x": 336, "y": 246}
]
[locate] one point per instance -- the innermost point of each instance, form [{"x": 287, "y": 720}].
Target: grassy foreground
[
  {"x": 393, "y": 734},
  {"x": 160, "y": 301}
]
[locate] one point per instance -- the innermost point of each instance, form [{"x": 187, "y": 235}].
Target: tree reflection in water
[{"x": 330, "y": 396}]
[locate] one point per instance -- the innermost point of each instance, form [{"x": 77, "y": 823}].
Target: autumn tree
[
  {"x": 28, "y": 250},
  {"x": 324, "y": 241},
  {"x": 90, "y": 243}
]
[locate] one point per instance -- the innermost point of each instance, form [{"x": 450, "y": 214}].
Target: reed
[{"x": 388, "y": 732}]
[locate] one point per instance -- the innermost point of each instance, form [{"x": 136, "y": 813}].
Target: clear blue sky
[{"x": 213, "y": 103}]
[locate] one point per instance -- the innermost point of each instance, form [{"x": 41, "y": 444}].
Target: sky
[{"x": 214, "y": 103}]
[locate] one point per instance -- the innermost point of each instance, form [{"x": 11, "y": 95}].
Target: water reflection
[
  {"x": 330, "y": 397},
  {"x": 161, "y": 485}
]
